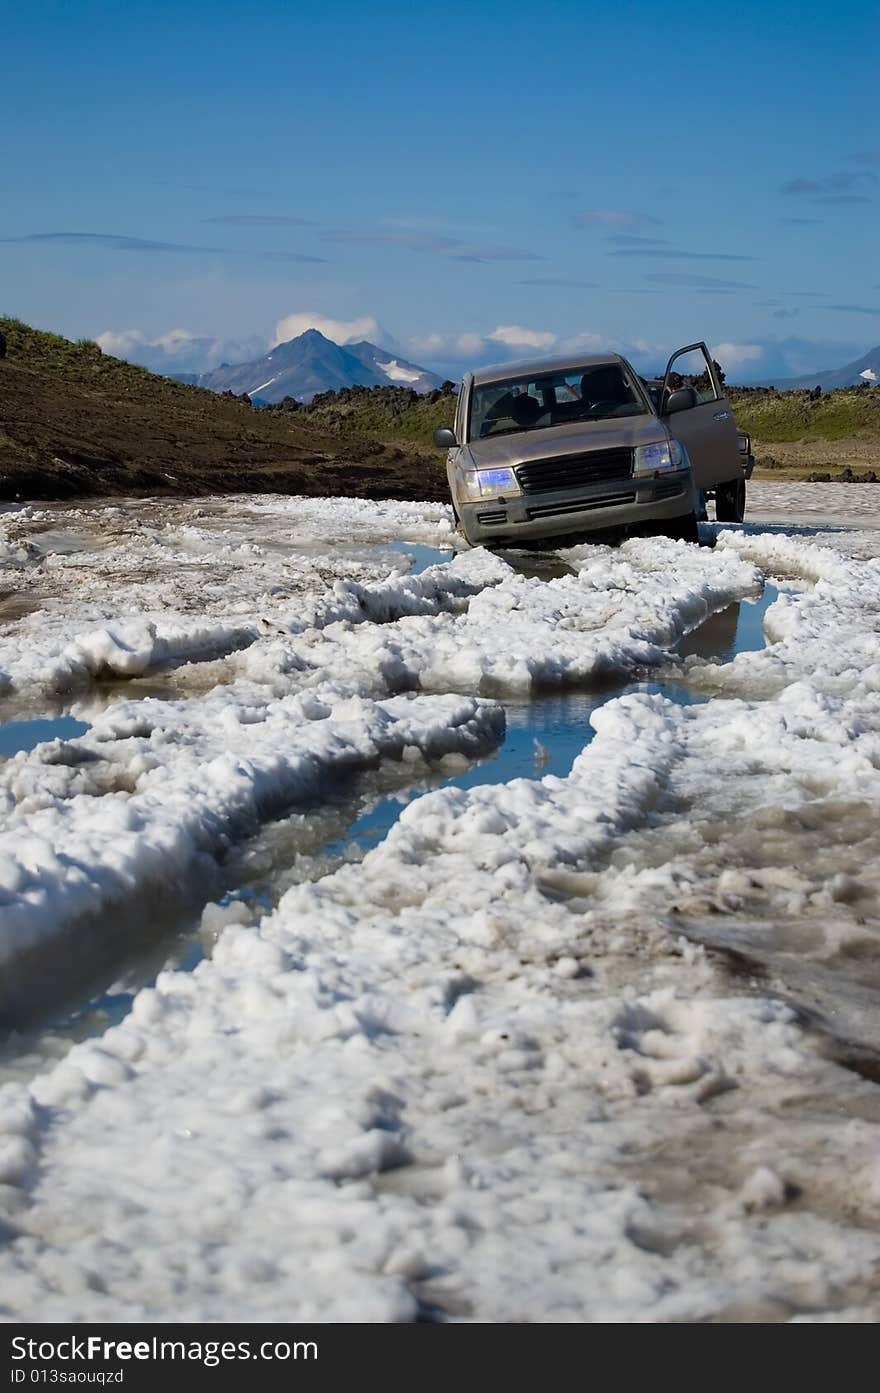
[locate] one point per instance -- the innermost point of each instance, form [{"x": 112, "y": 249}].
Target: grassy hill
[
  {"x": 785, "y": 416},
  {"x": 795, "y": 435},
  {"x": 76, "y": 422},
  {"x": 394, "y": 414}
]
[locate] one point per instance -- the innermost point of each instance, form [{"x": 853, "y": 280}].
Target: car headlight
[
  {"x": 745, "y": 443},
  {"x": 660, "y": 454},
  {"x": 489, "y": 483}
]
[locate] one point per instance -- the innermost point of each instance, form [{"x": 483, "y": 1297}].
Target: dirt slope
[{"x": 74, "y": 422}]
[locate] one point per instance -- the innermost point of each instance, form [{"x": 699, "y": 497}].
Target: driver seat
[{"x": 526, "y": 410}]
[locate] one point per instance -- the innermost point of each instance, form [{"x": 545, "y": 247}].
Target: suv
[{"x": 571, "y": 445}]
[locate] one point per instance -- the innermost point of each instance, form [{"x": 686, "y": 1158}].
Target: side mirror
[
  {"x": 682, "y": 400},
  {"x": 444, "y": 438}
]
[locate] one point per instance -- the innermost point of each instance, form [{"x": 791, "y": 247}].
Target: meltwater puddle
[
  {"x": 537, "y": 565},
  {"x": 736, "y": 629},
  {"x": 16, "y": 736},
  {"x": 544, "y": 736},
  {"x": 422, "y": 556}
]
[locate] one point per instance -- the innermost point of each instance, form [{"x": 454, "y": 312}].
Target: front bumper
[{"x": 586, "y": 508}]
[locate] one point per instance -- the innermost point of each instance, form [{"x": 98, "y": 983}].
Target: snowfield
[{"x": 591, "y": 1047}]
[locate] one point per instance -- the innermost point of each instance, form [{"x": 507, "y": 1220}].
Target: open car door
[{"x": 706, "y": 428}]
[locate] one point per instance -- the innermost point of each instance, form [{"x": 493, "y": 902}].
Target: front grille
[
  {"x": 568, "y": 471},
  {"x": 490, "y": 519},
  {"x": 579, "y": 505}
]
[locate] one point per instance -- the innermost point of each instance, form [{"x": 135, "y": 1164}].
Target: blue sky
[{"x": 465, "y": 181}]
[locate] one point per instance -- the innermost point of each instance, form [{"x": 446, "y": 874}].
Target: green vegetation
[
  {"x": 82, "y": 362},
  {"x": 396, "y": 415},
  {"x": 772, "y": 416}
]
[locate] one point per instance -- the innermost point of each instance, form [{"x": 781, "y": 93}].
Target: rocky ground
[{"x": 854, "y": 460}]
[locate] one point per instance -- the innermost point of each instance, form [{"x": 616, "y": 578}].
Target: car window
[
  {"x": 590, "y": 392},
  {"x": 691, "y": 370}
]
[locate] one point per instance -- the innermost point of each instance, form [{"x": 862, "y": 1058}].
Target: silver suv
[{"x": 572, "y": 445}]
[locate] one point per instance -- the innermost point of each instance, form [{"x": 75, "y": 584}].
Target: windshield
[{"x": 537, "y": 401}]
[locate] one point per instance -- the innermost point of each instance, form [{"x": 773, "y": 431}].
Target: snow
[
  {"x": 802, "y": 504},
  {"x": 496, "y": 1068},
  {"x": 129, "y": 589},
  {"x": 397, "y": 372},
  {"x": 255, "y": 390},
  {"x": 157, "y": 789}
]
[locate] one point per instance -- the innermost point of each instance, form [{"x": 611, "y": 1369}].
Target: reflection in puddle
[
  {"x": 155, "y": 686},
  {"x": 543, "y": 737},
  {"x": 422, "y": 556},
  {"x": 534, "y": 565},
  {"x": 16, "y": 736},
  {"x": 737, "y": 629}
]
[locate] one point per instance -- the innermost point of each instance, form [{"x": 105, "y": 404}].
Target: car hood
[{"x": 554, "y": 441}]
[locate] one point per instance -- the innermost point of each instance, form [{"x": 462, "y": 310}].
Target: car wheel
[{"x": 730, "y": 501}]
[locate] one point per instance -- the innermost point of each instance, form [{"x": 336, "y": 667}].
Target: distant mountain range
[
  {"x": 864, "y": 369},
  {"x": 312, "y": 363}
]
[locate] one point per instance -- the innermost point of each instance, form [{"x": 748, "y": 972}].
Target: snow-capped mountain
[
  {"x": 312, "y": 363},
  {"x": 864, "y": 369}
]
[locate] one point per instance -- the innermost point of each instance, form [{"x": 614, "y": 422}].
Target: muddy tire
[{"x": 730, "y": 501}]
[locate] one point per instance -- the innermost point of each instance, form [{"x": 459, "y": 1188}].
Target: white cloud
[
  {"x": 448, "y": 345},
  {"x": 121, "y": 343},
  {"x": 176, "y": 341},
  {"x": 177, "y": 350},
  {"x": 339, "y": 330},
  {"x": 429, "y": 343},
  {"x": 511, "y": 341},
  {"x": 735, "y": 356},
  {"x": 590, "y": 343},
  {"x": 469, "y": 343},
  {"x": 515, "y": 336}
]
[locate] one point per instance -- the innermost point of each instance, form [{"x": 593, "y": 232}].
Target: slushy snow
[{"x": 496, "y": 1069}]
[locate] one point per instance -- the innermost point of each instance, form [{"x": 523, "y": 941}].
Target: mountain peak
[
  {"x": 310, "y": 336},
  {"x": 311, "y": 363}
]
